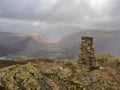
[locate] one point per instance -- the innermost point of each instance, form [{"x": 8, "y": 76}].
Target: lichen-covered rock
[
  {"x": 20, "y": 77},
  {"x": 58, "y": 75},
  {"x": 34, "y": 77}
]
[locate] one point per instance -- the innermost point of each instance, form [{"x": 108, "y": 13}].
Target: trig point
[{"x": 87, "y": 52}]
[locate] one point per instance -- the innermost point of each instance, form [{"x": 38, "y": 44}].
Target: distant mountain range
[
  {"x": 107, "y": 42},
  {"x": 12, "y": 43},
  {"x": 35, "y": 45}
]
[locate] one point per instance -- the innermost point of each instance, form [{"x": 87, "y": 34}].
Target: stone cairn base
[{"x": 87, "y": 52}]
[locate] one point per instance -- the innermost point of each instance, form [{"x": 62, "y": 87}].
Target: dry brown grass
[{"x": 5, "y": 63}]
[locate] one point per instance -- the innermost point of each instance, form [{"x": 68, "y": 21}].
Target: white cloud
[
  {"x": 98, "y": 5},
  {"x": 46, "y": 15}
]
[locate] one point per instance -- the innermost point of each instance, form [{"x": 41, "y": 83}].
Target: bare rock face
[{"x": 87, "y": 52}]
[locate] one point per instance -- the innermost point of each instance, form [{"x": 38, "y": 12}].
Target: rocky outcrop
[
  {"x": 34, "y": 77},
  {"x": 58, "y": 75}
]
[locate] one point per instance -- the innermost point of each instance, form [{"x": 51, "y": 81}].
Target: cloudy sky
[{"x": 56, "y": 18}]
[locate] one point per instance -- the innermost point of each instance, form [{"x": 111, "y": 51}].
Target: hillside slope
[
  {"x": 105, "y": 42},
  {"x": 34, "y": 45},
  {"x": 13, "y": 44}
]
